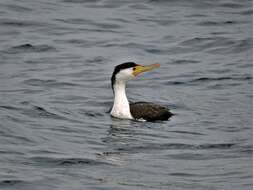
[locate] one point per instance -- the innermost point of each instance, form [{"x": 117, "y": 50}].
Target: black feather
[{"x": 149, "y": 111}]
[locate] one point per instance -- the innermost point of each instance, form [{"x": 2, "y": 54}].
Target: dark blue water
[{"x": 56, "y": 60}]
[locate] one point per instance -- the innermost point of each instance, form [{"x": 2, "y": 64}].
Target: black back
[
  {"x": 118, "y": 68},
  {"x": 149, "y": 111}
]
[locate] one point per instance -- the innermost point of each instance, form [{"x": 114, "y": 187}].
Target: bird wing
[{"x": 149, "y": 111}]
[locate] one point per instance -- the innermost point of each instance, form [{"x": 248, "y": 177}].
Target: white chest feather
[{"x": 120, "y": 107}]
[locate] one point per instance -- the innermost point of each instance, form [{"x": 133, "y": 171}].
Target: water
[{"x": 56, "y": 60}]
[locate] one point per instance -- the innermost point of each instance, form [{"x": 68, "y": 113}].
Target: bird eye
[{"x": 134, "y": 68}]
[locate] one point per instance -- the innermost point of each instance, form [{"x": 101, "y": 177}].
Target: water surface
[{"x": 56, "y": 60}]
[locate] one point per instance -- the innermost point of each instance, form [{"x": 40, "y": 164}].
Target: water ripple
[
  {"x": 176, "y": 146},
  {"x": 28, "y": 48},
  {"x": 56, "y": 60},
  {"x": 50, "y": 161},
  {"x": 10, "y": 182}
]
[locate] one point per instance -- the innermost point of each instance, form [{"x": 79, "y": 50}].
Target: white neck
[{"x": 120, "y": 107}]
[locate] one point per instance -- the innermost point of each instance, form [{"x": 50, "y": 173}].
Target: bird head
[{"x": 129, "y": 70}]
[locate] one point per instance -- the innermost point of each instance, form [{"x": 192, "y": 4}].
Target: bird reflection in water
[{"x": 121, "y": 134}]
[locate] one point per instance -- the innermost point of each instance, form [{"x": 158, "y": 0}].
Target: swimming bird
[{"x": 145, "y": 111}]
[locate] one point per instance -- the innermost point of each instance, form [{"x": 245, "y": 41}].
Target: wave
[
  {"x": 50, "y": 161},
  {"x": 29, "y": 48}
]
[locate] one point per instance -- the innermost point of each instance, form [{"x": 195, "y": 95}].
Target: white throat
[{"x": 120, "y": 107}]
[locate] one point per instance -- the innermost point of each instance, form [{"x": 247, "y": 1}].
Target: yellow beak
[{"x": 140, "y": 69}]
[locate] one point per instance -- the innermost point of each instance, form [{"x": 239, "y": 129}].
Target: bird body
[
  {"x": 140, "y": 110},
  {"x": 149, "y": 111}
]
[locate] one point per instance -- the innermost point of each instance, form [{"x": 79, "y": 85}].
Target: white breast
[
  {"x": 121, "y": 112},
  {"x": 121, "y": 107}
]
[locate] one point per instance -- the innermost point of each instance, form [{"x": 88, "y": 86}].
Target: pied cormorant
[{"x": 140, "y": 110}]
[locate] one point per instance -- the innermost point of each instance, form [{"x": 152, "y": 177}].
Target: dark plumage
[{"x": 149, "y": 111}]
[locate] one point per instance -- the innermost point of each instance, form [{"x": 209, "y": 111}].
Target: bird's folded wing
[{"x": 149, "y": 111}]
